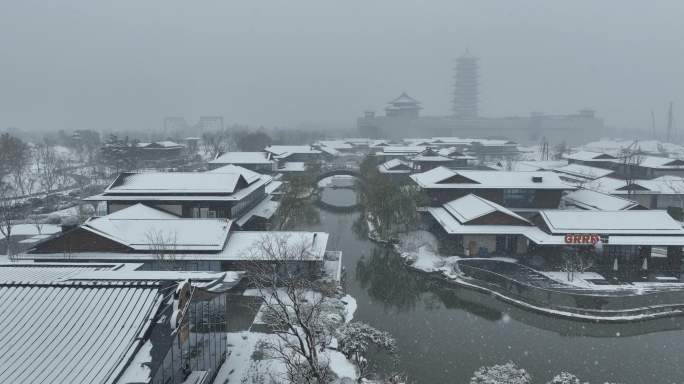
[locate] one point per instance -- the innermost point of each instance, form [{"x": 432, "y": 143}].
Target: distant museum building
[{"x": 402, "y": 117}]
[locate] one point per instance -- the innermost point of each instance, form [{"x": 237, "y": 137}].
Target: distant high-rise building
[
  {"x": 174, "y": 124},
  {"x": 210, "y": 123},
  {"x": 466, "y": 86}
]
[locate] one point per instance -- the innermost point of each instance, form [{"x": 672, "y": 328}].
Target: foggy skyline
[{"x": 87, "y": 65}]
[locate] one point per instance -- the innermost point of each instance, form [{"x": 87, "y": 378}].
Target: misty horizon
[{"x": 81, "y": 65}]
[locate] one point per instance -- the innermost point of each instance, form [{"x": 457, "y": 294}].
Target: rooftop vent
[{"x": 537, "y": 179}]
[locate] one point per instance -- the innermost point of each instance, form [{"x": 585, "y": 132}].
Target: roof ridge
[{"x": 82, "y": 283}]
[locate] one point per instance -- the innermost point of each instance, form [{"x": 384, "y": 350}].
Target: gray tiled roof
[{"x": 68, "y": 332}]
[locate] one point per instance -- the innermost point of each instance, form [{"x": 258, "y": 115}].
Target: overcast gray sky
[{"x": 127, "y": 63}]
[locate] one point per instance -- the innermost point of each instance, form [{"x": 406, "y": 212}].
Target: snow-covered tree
[
  {"x": 508, "y": 373},
  {"x": 564, "y": 378},
  {"x": 293, "y": 307},
  {"x": 355, "y": 340}
]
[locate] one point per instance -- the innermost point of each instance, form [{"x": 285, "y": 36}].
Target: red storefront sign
[{"x": 582, "y": 238}]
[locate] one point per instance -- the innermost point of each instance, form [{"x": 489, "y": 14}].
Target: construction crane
[{"x": 544, "y": 149}]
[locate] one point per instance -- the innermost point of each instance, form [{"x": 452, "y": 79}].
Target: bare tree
[
  {"x": 38, "y": 221},
  {"x": 390, "y": 209},
  {"x": 215, "y": 143},
  {"x": 48, "y": 167},
  {"x": 296, "y": 206},
  {"x": 163, "y": 246},
  {"x": 293, "y": 307},
  {"x": 16, "y": 158},
  {"x": 9, "y": 212}
]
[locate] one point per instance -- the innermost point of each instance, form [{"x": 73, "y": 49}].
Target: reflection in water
[{"x": 385, "y": 278}]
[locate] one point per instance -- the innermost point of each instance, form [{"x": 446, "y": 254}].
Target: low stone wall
[{"x": 603, "y": 304}]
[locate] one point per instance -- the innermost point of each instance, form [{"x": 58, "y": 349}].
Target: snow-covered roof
[
  {"x": 658, "y": 162},
  {"x": 283, "y": 151},
  {"x": 43, "y": 272},
  {"x": 471, "y": 207},
  {"x": 394, "y": 166},
  {"x": 528, "y": 165},
  {"x": 265, "y": 209},
  {"x": 249, "y": 175},
  {"x": 143, "y": 233},
  {"x": 338, "y": 144},
  {"x": 401, "y": 149},
  {"x": 404, "y": 99},
  {"x": 73, "y": 332},
  {"x": 273, "y": 186},
  {"x": 329, "y": 150},
  {"x": 453, "y": 226},
  {"x": 243, "y": 158},
  {"x": 615, "y": 146},
  {"x": 166, "y": 144},
  {"x": 292, "y": 166},
  {"x": 454, "y": 153},
  {"x": 243, "y": 245},
  {"x": 431, "y": 158},
  {"x": 667, "y": 185},
  {"x": 175, "y": 182},
  {"x": 140, "y": 211},
  {"x": 584, "y": 171},
  {"x": 444, "y": 178},
  {"x": 590, "y": 156},
  {"x": 638, "y": 222},
  {"x": 597, "y": 201}
]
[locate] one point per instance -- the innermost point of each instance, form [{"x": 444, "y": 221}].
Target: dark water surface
[{"x": 446, "y": 333}]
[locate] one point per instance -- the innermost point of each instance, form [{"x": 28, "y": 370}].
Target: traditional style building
[
  {"x": 627, "y": 242},
  {"x": 261, "y": 162},
  {"x": 520, "y": 191},
  {"x": 161, "y": 241},
  {"x": 227, "y": 192}
]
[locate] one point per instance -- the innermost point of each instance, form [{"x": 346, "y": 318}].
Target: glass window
[{"x": 518, "y": 198}]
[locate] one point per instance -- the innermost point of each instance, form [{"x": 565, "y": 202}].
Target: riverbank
[{"x": 550, "y": 293}]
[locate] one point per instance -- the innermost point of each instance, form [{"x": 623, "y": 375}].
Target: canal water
[{"x": 445, "y": 333}]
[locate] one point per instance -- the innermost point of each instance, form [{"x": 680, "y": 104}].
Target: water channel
[{"x": 446, "y": 333}]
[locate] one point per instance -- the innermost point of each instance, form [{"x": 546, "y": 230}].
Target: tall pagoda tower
[{"x": 466, "y": 86}]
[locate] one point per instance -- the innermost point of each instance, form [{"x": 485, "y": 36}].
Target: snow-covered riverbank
[{"x": 419, "y": 250}]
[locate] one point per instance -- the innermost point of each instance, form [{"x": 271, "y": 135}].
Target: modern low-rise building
[
  {"x": 397, "y": 170},
  {"x": 660, "y": 193},
  {"x": 587, "y": 199},
  {"x": 631, "y": 241},
  {"x": 261, "y": 162},
  {"x": 227, "y": 192},
  {"x": 431, "y": 158},
  {"x": 516, "y": 190},
  {"x": 162, "y": 241},
  {"x": 294, "y": 153},
  {"x": 579, "y": 174},
  {"x": 98, "y": 323}
]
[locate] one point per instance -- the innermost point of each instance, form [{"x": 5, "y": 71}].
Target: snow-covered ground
[
  {"x": 31, "y": 230},
  {"x": 419, "y": 248},
  {"x": 581, "y": 280}
]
